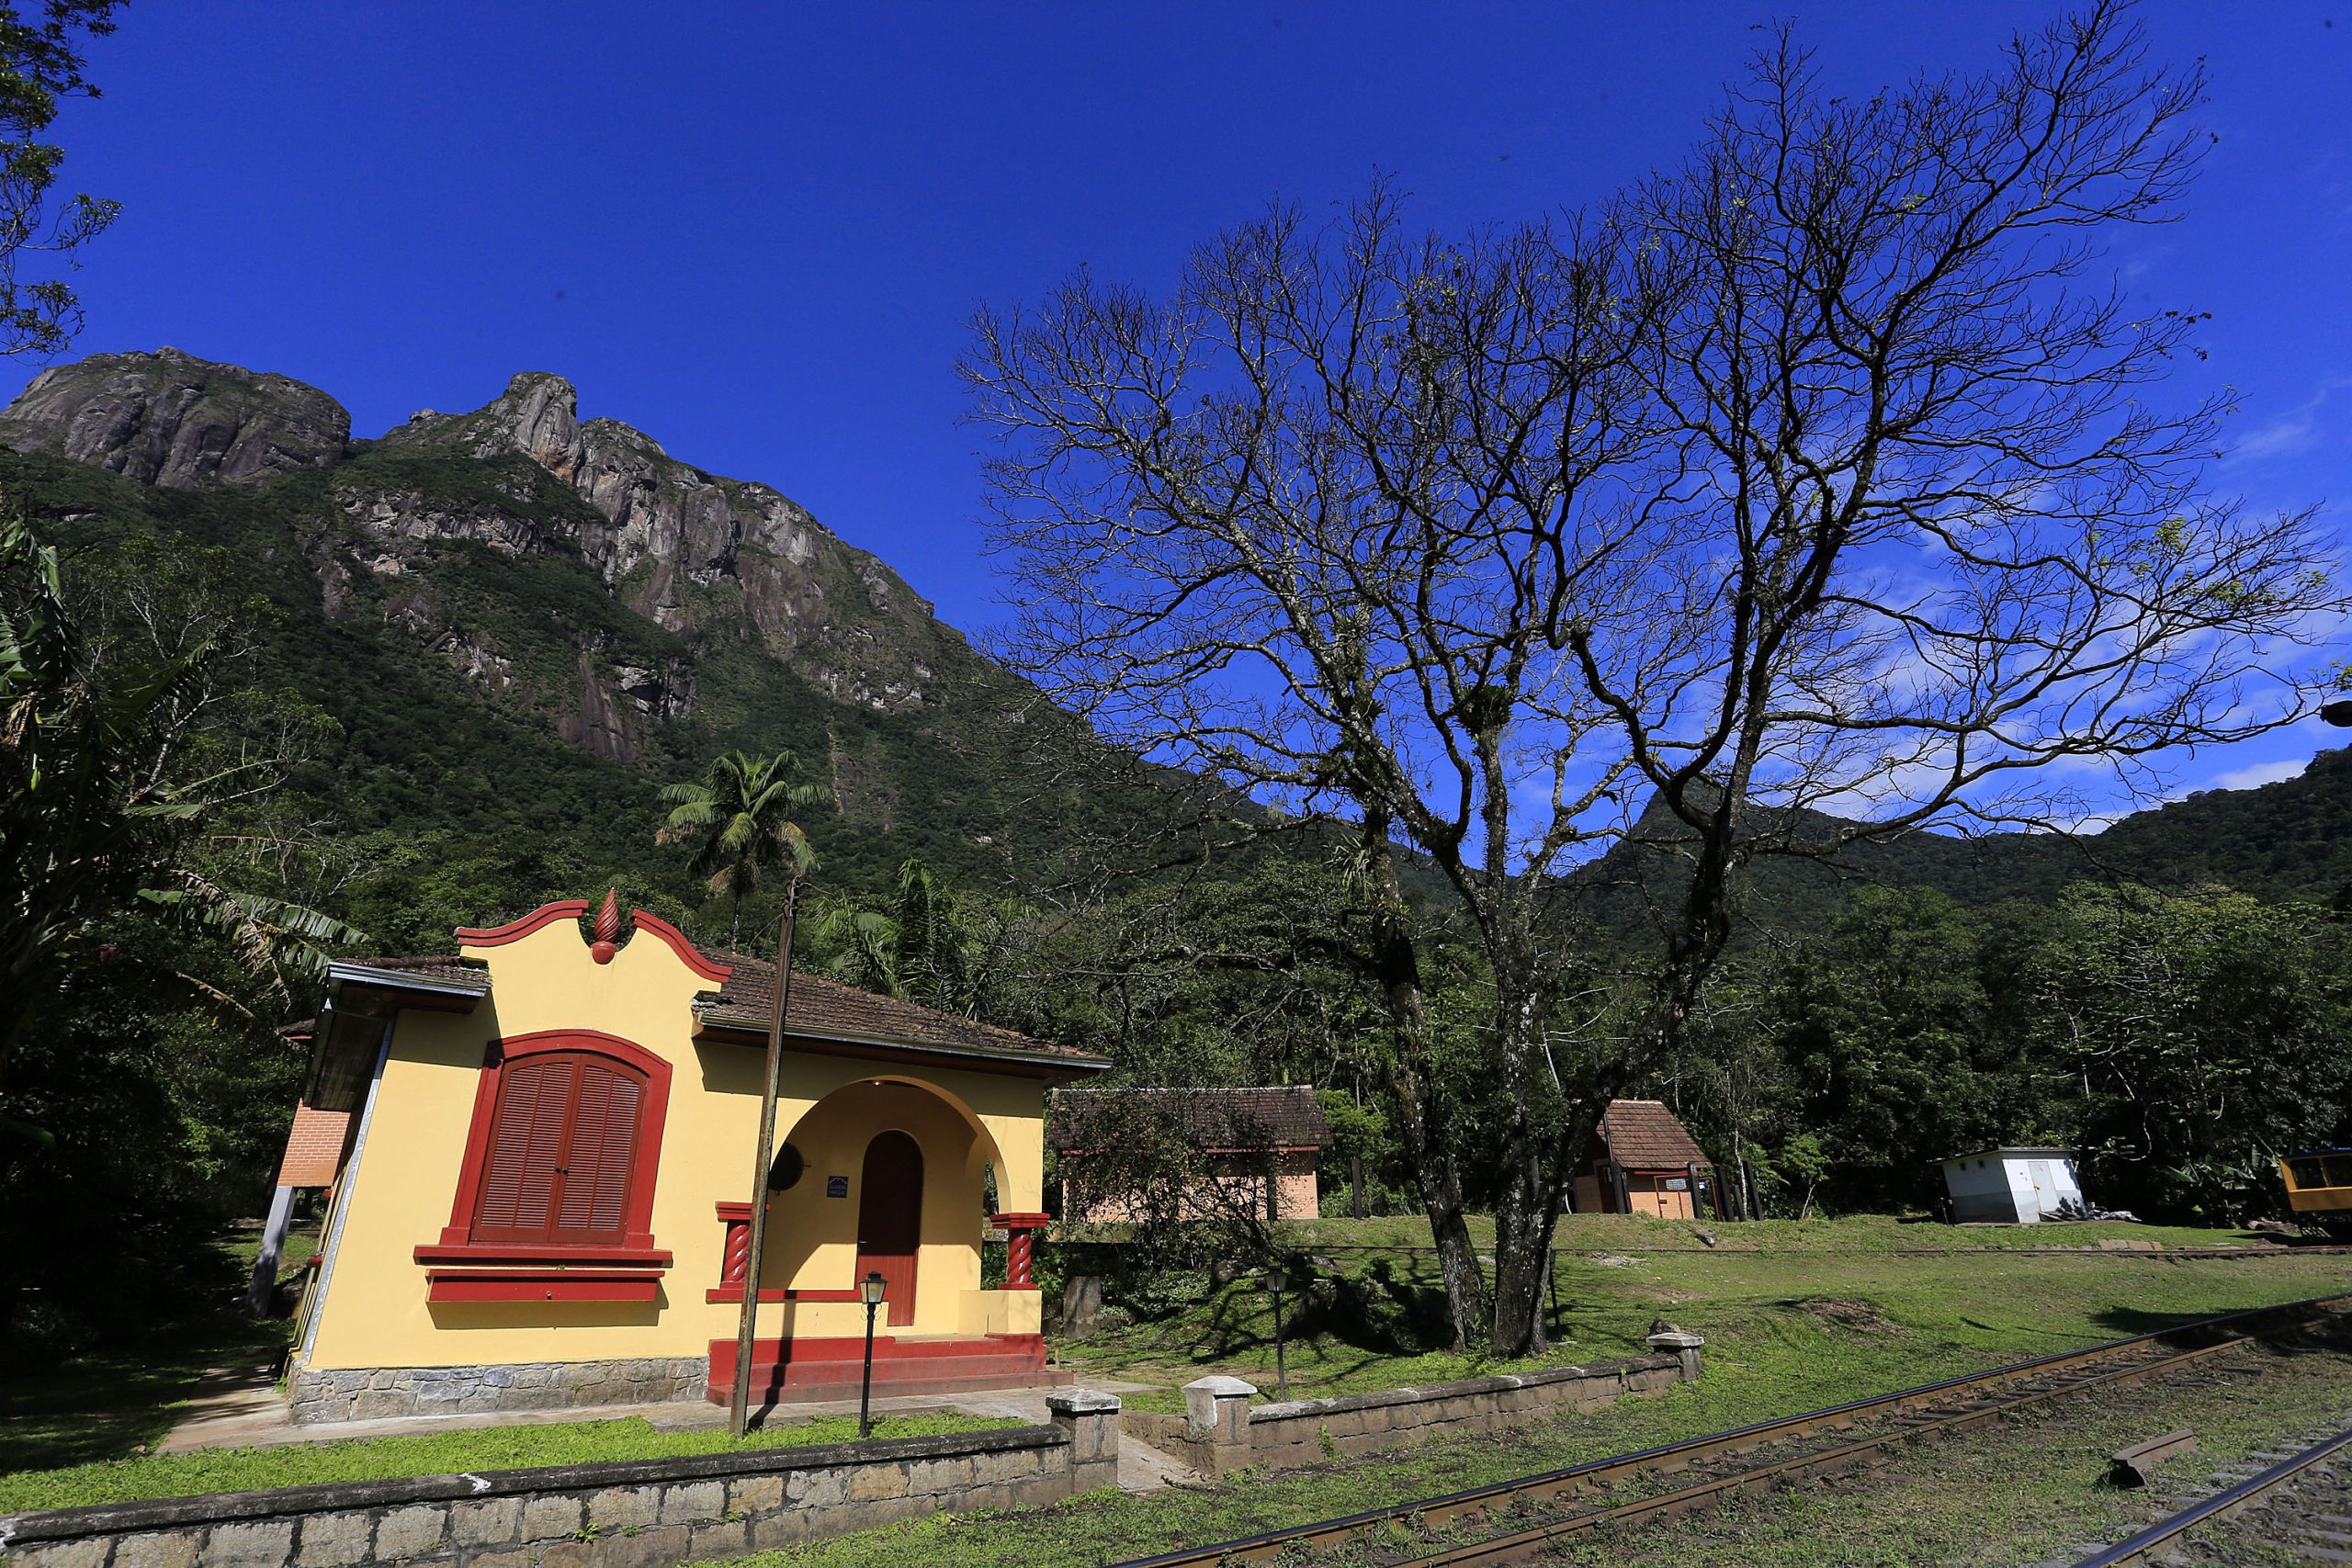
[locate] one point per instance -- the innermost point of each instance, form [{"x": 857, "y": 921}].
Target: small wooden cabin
[{"x": 1642, "y": 1160}]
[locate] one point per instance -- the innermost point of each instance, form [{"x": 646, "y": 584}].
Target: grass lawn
[
  {"x": 1798, "y": 1316},
  {"x": 1787, "y": 1331},
  {"x": 78, "y": 1432},
  {"x": 438, "y": 1453},
  {"x": 1369, "y": 1324},
  {"x": 1854, "y": 1233}
]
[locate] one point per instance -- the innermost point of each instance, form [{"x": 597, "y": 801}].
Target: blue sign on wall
[{"x": 837, "y": 1187}]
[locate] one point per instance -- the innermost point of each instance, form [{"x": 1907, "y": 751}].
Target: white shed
[{"x": 2010, "y": 1187}]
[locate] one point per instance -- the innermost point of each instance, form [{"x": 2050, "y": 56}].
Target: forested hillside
[
  {"x": 2286, "y": 841},
  {"x": 520, "y": 627}
]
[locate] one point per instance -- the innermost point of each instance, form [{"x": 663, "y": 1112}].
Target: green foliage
[
  {"x": 2182, "y": 1042},
  {"x": 157, "y": 917},
  {"x": 135, "y": 762},
  {"x": 736, "y": 818},
  {"x": 926, "y": 943},
  {"x": 40, "y": 64},
  {"x": 2210, "y": 1033}
]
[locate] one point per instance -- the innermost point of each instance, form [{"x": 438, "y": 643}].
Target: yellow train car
[{"x": 2319, "y": 1187}]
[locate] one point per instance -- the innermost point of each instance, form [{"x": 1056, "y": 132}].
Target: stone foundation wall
[
  {"x": 367, "y": 1393},
  {"x": 644, "y": 1514},
  {"x": 1220, "y": 1431}
]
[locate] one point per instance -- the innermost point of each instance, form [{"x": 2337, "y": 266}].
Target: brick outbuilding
[{"x": 1260, "y": 1147}]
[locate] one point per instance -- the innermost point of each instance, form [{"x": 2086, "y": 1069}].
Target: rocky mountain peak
[
  {"x": 675, "y": 533},
  {"x": 169, "y": 418},
  {"x": 717, "y": 563},
  {"x": 538, "y": 415}
]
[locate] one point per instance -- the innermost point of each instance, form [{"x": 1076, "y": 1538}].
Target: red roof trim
[
  {"x": 688, "y": 955},
  {"x": 515, "y": 930},
  {"x": 546, "y": 915}
]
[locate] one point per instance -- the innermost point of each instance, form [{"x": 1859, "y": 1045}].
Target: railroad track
[
  {"x": 2157, "y": 1254},
  {"x": 2299, "y": 1508},
  {"x": 1513, "y": 1520}
]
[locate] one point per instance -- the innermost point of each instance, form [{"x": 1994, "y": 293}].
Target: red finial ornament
[{"x": 608, "y": 928}]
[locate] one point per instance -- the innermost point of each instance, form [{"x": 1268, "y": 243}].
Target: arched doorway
[{"x": 889, "y": 1219}]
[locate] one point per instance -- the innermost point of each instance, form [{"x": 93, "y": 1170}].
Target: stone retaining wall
[
  {"x": 635, "y": 1514},
  {"x": 366, "y": 1393},
  {"x": 1220, "y": 1431}
]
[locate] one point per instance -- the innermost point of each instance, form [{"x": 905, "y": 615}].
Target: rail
[
  {"x": 2145, "y": 1546},
  {"x": 2043, "y": 1377}
]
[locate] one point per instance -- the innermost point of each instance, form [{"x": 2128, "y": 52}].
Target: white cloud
[
  {"x": 2291, "y": 432},
  {"x": 2259, "y": 773}
]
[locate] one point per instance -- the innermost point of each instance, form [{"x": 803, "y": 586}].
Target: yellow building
[{"x": 545, "y": 1198}]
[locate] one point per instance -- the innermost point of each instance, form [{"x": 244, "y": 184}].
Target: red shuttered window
[
  {"x": 561, "y": 1151},
  {"x": 562, "y": 1155}
]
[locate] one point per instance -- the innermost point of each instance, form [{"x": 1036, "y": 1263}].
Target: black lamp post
[
  {"x": 871, "y": 1288},
  {"x": 1277, "y": 1282}
]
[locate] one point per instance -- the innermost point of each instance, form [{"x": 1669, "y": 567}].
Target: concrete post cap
[
  {"x": 1676, "y": 1340},
  {"x": 1222, "y": 1386},
  {"x": 1081, "y": 1402}
]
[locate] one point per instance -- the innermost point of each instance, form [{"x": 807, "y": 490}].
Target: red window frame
[{"x": 636, "y": 1244}]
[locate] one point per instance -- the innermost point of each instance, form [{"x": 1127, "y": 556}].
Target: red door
[{"x": 889, "y": 1221}]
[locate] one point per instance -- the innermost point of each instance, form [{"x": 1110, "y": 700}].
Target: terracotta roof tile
[
  {"x": 446, "y": 966},
  {"x": 1645, "y": 1135},
  {"x": 748, "y": 999},
  {"x": 1213, "y": 1118}
]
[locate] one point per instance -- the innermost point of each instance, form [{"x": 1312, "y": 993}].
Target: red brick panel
[{"x": 314, "y": 1147}]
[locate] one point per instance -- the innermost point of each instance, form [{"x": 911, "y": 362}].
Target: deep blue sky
[{"x": 755, "y": 231}]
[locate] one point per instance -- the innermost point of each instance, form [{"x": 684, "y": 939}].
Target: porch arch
[{"x": 812, "y": 1247}]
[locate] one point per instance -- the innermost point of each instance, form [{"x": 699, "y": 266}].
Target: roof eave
[
  {"x": 753, "y": 1030},
  {"x": 415, "y": 990},
  {"x": 2042, "y": 1149}
]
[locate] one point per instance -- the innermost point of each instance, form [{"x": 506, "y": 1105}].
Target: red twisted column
[
  {"x": 1019, "y": 1241},
  {"x": 737, "y": 1217}
]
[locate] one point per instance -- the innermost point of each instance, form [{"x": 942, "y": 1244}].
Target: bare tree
[{"x": 1823, "y": 471}]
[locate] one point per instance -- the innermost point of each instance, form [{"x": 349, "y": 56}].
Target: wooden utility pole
[{"x": 739, "y": 1407}]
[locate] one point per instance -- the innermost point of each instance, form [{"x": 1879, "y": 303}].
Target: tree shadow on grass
[
  {"x": 119, "y": 1400},
  {"x": 2326, "y": 1334}
]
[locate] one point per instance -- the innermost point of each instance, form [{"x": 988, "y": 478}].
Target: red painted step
[{"x": 834, "y": 1368}]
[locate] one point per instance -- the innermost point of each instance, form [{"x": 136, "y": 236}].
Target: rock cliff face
[
  {"x": 710, "y": 560},
  {"x": 681, "y": 546},
  {"x": 168, "y": 418},
  {"x": 524, "y": 623}
]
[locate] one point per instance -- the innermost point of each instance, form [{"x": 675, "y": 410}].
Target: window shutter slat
[
  {"x": 520, "y": 1180},
  {"x": 562, "y": 1151},
  {"x": 604, "y": 1132}
]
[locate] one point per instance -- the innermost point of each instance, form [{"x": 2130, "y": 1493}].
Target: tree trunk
[
  {"x": 1525, "y": 1220},
  {"x": 1536, "y": 1152},
  {"x": 1441, "y": 1187},
  {"x": 1405, "y": 1073}
]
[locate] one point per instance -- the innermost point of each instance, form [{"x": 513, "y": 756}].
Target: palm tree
[
  {"x": 739, "y": 820},
  {"x": 919, "y": 948}
]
